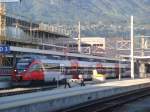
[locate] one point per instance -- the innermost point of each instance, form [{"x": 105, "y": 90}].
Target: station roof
[
  {"x": 37, "y": 30},
  {"x": 12, "y": 20},
  {"x": 142, "y": 57},
  {"x": 28, "y": 26},
  {"x": 39, "y": 51},
  {"x": 136, "y": 57}
]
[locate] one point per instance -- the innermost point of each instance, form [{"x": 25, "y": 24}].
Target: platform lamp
[{"x": 132, "y": 49}]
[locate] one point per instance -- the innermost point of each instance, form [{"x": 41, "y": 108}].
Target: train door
[
  {"x": 100, "y": 68},
  {"x": 74, "y": 69},
  {"x": 63, "y": 72},
  {"x": 117, "y": 67},
  {"x": 35, "y": 72},
  {"x": 51, "y": 71}
]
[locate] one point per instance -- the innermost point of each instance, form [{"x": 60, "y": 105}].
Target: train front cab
[{"x": 26, "y": 72}]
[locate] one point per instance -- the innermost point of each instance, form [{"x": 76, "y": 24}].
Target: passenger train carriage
[{"x": 42, "y": 68}]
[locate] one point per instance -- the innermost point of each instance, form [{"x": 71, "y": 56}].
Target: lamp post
[
  {"x": 132, "y": 49},
  {"x": 79, "y": 37},
  {"x": 119, "y": 69}
]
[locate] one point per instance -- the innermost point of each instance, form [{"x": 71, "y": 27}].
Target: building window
[{"x": 101, "y": 45}]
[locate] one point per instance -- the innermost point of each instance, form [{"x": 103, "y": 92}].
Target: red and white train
[{"x": 39, "y": 68}]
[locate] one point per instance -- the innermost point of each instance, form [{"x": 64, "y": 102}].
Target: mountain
[
  {"x": 107, "y": 18},
  {"x": 70, "y": 11}
]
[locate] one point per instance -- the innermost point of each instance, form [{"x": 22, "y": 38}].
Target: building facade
[{"x": 89, "y": 45}]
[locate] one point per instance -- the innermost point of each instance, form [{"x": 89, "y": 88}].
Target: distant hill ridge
[{"x": 70, "y": 11}]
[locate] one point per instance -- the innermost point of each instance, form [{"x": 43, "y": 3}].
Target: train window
[
  {"x": 111, "y": 61},
  {"x": 72, "y": 58},
  {"x": 90, "y": 72},
  {"x": 49, "y": 67},
  {"x": 56, "y": 57},
  {"x": 25, "y": 60},
  {"x": 84, "y": 59},
  {"x": 99, "y": 60},
  {"x": 68, "y": 71},
  {"x": 63, "y": 70},
  {"x": 91, "y": 60},
  {"x": 35, "y": 67}
]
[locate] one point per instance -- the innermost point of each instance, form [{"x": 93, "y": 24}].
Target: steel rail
[{"x": 17, "y": 91}]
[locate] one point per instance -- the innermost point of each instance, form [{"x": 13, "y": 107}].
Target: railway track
[
  {"x": 17, "y": 91},
  {"x": 24, "y": 89},
  {"x": 109, "y": 103}
]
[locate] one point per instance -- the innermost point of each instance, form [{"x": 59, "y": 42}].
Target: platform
[
  {"x": 4, "y": 84},
  {"x": 60, "y": 98}
]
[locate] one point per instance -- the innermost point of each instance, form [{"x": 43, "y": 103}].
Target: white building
[
  {"x": 94, "y": 41},
  {"x": 89, "y": 45}
]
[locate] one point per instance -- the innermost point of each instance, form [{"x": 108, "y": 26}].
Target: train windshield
[{"x": 22, "y": 65}]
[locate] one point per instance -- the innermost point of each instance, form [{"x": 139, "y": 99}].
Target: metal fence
[{"x": 5, "y": 73}]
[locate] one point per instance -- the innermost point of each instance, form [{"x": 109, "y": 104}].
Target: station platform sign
[{"x": 4, "y": 49}]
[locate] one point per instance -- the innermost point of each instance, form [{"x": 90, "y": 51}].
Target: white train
[{"x": 47, "y": 69}]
